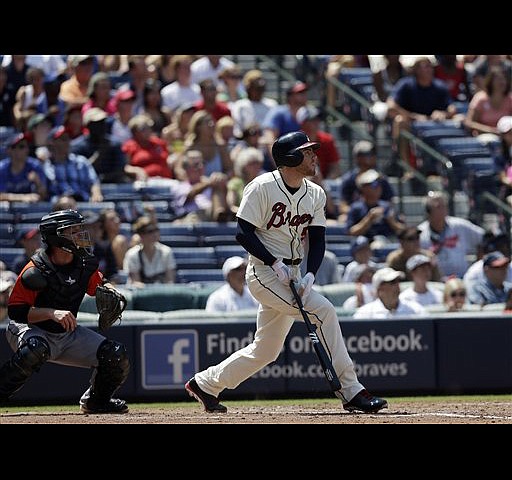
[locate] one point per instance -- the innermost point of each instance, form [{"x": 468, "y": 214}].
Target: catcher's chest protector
[{"x": 66, "y": 286}]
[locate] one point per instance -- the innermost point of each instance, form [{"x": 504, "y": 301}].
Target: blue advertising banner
[
  {"x": 475, "y": 354},
  {"x": 388, "y": 356},
  {"x": 395, "y": 355}
]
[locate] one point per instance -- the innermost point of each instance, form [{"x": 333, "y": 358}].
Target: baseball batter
[
  {"x": 43, "y": 306},
  {"x": 276, "y": 210}
]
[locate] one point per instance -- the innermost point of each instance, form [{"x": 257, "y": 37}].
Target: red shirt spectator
[{"x": 146, "y": 150}]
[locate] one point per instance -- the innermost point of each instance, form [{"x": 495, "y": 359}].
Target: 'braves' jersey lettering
[{"x": 282, "y": 217}]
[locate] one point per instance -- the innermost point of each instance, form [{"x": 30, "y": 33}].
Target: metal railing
[{"x": 503, "y": 208}]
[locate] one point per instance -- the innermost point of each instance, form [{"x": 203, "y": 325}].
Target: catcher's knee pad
[
  {"x": 32, "y": 355},
  {"x": 113, "y": 357},
  {"x": 25, "y": 361}
]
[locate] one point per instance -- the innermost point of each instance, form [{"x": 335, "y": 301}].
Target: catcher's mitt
[{"x": 110, "y": 304}]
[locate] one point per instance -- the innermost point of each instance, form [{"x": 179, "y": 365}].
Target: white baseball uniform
[{"x": 281, "y": 220}]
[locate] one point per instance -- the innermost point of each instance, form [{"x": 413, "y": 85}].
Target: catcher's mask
[
  {"x": 65, "y": 229},
  {"x": 287, "y": 149}
]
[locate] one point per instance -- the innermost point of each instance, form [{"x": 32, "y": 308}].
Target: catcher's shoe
[
  {"x": 114, "y": 405},
  {"x": 365, "y": 402},
  {"x": 211, "y": 404}
]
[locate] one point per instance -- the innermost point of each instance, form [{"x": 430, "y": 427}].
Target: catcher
[{"x": 43, "y": 306}]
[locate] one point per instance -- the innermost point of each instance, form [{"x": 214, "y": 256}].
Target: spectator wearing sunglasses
[{"x": 454, "y": 295}]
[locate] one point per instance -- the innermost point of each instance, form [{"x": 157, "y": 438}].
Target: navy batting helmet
[
  {"x": 54, "y": 232},
  {"x": 287, "y": 149}
]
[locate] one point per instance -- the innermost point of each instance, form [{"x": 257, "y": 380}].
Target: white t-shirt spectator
[
  {"x": 225, "y": 299},
  {"x": 162, "y": 260},
  {"x": 202, "y": 69},
  {"x": 431, "y": 297},
  {"x": 376, "y": 309}
]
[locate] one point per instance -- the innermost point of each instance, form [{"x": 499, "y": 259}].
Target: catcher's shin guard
[
  {"x": 113, "y": 368},
  {"x": 28, "y": 359}
]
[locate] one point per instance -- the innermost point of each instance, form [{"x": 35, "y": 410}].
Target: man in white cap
[
  {"x": 419, "y": 267},
  {"x": 386, "y": 283},
  {"x": 234, "y": 294}
]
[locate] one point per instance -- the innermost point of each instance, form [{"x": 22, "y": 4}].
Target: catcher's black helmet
[
  {"x": 53, "y": 232},
  {"x": 286, "y": 150}
]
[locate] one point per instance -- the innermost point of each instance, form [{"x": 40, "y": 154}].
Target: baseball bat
[{"x": 325, "y": 362}]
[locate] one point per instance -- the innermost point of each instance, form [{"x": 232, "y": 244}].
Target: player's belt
[{"x": 289, "y": 261}]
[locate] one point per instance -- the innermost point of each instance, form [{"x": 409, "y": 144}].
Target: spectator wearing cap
[
  {"x": 491, "y": 242},
  {"x": 234, "y": 295},
  {"x": 150, "y": 261},
  {"x": 230, "y": 88},
  {"x": 120, "y": 131},
  {"x": 135, "y": 78},
  {"x": 30, "y": 240},
  {"x": 504, "y": 160},
  {"x": 371, "y": 216},
  {"x": 209, "y": 100},
  {"x": 309, "y": 118},
  {"x": 147, "y": 154},
  {"x": 365, "y": 159},
  {"x": 494, "y": 288},
  {"x": 73, "y": 91},
  {"x": 361, "y": 252},
  {"x": 386, "y": 285},
  {"x": 490, "y": 104},
  {"x": 209, "y": 67},
  {"x": 102, "y": 251},
  {"x": 183, "y": 91},
  {"x": 22, "y": 178},
  {"x": 282, "y": 119},
  {"x": 30, "y": 98},
  {"x": 69, "y": 173},
  {"x": 98, "y": 93},
  {"x": 97, "y": 145},
  {"x": 39, "y": 126},
  {"x": 409, "y": 239},
  {"x": 450, "y": 238},
  {"x": 253, "y": 109},
  {"x": 363, "y": 275},
  {"x": 420, "y": 268}
]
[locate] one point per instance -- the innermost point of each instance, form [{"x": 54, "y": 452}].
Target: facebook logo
[{"x": 169, "y": 358}]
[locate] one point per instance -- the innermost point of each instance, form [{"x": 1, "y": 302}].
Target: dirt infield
[{"x": 321, "y": 412}]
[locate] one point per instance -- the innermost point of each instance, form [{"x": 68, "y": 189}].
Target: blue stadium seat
[
  {"x": 199, "y": 276},
  {"x": 7, "y": 235},
  {"x": 225, "y": 251},
  {"x": 179, "y": 240},
  {"x": 195, "y": 257},
  {"x": 8, "y": 254}
]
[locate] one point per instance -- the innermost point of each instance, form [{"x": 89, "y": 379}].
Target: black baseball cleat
[
  {"x": 114, "y": 405},
  {"x": 365, "y": 402},
  {"x": 211, "y": 404}
]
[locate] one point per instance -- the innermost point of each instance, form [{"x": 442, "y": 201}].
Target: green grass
[{"x": 261, "y": 403}]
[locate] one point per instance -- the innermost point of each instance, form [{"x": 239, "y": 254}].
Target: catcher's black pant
[{"x": 80, "y": 348}]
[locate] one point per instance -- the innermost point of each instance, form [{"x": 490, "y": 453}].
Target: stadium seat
[{"x": 202, "y": 276}]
